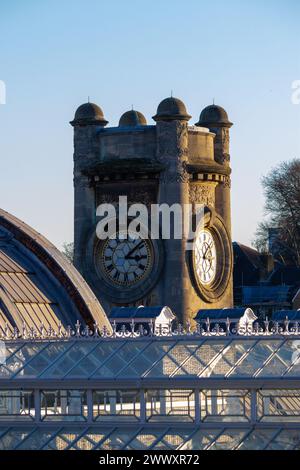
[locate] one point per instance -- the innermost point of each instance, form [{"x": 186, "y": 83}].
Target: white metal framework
[{"x": 216, "y": 387}]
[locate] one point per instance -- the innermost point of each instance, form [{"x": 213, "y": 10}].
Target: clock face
[
  {"x": 126, "y": 259},
  {"x": 205, "y": 256}
]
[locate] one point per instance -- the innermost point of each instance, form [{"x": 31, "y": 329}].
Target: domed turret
[
  {"x": 132, "y": 119},
  {"x": 87, "y": 114},
  {"x": 212, "y": 116},
  {"x": 171, "y": 109}
]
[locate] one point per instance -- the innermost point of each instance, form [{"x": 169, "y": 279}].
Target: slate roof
[
  {"x": 266, "y": 294},
  {"x": 135, "y": 312},
  {"x": 220, "y": 313},
  {"x": 291, "y": 315}
]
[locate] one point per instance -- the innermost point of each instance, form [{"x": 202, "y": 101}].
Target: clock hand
[
  {"x": 205, "y": 252},
  {"x": 133, "y": 249},
  {"x": 136, "y": 257}
]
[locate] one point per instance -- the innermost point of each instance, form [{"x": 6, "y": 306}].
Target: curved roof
[
  {"x": 140, "y": 312},
  {"x": 222, "y": 313},
  {"x": 38, "y": 285},
  {"x": 89, "y": 113},
  {"x": 171, "y": 109},
  {"x": 213, "y": 114},
  {"x": 286, "y": 314},
  {"x": 132, "y": 118}
]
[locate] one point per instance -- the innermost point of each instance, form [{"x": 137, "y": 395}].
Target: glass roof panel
[
  {"x": 27, "y": 353},
  {"x": 173, "y": 439},
  {"x": 91, "y": 439},
  {"x": 145, "y": 360},
  {"x": 257, "y": 439},
  {"x": 200, "y": 439},
  {"x": 119, "y": 360},
  {"x": 153, "y": 357},
  {"x": 201, "y": 358},
  {"x": 41, "y": 360},
  {"x": 231, "y": 354},
  {"x": 145, "y": 439},
  {"x": 255, "y": 357},
  {"x": 37, "y": 439},
  {"x": 119, "y": 439},
  {"x": 148, "y": 438},
  {"x": 13, "y": 437},
  {"x": 274, "y": 368},
  {"x": 222, "y": 363},
  {"x": 287, "y": 439},
  {"x": 229, "y": 439},
  {"x": 290, "y": 351},
  {"x": 71, "y": 354},
  {"x": 63, "y": 438},
  {"x": 179, "y": 357},
  {"x": 97, "y": 358}
]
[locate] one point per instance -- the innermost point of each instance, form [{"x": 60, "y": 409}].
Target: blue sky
[{"x": 54, "y": 54}]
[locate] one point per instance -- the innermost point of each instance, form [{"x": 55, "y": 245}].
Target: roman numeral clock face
[
  {"x": 126, "y": 260},
  {"x": 211, "y": 261},
  {"x": 127, "y": 265},
  {"x": 205, "y": 255}
]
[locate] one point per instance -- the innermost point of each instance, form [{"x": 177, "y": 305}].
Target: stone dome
[
  {"x": 132, "y": 119},
  {"x": 171, "y": 109},
  {"x": 213, "y": 115},
  {"x": 89, "y": 113}
]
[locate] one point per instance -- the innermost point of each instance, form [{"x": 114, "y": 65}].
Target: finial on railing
[
  {"x": 207, "y": 325},
  {"x": 151, "y": 327},
  {"x": 286, "y": 324},
  {"x": 227, "y": 326},
  {"x": 77, "y": 326},
  {"x": 267, "y": 324}
]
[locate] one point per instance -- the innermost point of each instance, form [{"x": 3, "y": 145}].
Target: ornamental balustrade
[{"x": 137, "y": 328}]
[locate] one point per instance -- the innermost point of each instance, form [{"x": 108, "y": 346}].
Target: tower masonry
[{"x": 167, "y": 163}]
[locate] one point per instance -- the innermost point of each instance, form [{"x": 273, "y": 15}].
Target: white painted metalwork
[
  {"x": 201, "y": 328},
  {"x": 210, "y": 387}
]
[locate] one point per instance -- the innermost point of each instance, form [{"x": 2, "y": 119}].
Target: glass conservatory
[{"x": 213, "y": 388}]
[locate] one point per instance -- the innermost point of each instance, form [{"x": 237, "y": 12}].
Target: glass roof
[
  {"x": 147, "y": 437},
  {"x": 153, "y": 357}
]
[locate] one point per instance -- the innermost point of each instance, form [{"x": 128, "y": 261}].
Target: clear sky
[{"x": 56, "y": 53}]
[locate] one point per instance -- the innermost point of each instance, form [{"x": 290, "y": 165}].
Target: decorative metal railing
[{"x": 137, "y": 329}]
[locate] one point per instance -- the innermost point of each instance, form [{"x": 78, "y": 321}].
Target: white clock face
[
  {"x": 205, "y": 255},
  {"x": 126, "y": 260}
]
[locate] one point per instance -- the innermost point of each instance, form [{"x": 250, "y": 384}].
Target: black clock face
[{"x": 126, "y": 259}]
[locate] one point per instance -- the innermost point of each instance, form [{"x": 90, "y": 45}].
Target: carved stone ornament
[
  {"x": 201, "y": 193},
  {"x": 173, "y": 151},
  {"x": 178, "y": 174},
  {"x": 227, "y": 182},
  {"x": 136, "y": 196}
]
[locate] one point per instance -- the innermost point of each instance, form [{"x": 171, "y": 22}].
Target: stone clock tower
[{"x": 168, "y": 163}]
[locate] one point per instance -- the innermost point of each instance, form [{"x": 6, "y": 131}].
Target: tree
[
  {"x": 282, "y": 208},
  {"x": 68, "y": 251}
]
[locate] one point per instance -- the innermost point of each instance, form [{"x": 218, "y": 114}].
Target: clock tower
[{"x": 163, "y": 165}]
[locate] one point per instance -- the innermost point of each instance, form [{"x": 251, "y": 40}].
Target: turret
[{"x": 216, "y": 119}]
